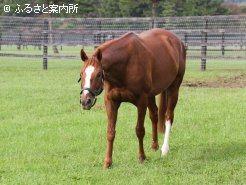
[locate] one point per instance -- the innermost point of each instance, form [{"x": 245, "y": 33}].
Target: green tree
[
  {"x": 171, "y": 8},
  {"x": 88, "y": 8},
  {"x": 205, "y": 7},
  {"x": 154, "y": 7},
  {"x": 109, "y": 8},
  {"x": 137, "y": 8},
  {"x": 167, "y": 8}
]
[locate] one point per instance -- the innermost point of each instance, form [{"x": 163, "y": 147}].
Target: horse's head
[{"x": 91, "y": 78}]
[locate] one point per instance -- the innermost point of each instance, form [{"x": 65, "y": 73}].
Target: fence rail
[{"x": 204, "y": 37}]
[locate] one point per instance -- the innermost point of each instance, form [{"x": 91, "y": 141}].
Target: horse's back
[{"x": 163, "y": 44}]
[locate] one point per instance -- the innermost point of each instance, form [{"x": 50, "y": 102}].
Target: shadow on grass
[{"x": 226, "y": 151}]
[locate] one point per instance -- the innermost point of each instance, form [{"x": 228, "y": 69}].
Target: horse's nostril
[{"x": 88, "y": 102}]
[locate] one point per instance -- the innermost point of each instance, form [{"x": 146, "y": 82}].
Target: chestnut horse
[{"x": 135, "y": 68}]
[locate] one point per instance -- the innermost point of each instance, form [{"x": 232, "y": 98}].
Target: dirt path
[{"x": 225, "y": 82}]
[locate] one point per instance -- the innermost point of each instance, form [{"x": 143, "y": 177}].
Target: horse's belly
[
  {"x": 160, "y": 88},
  {"x": 162, "y": 78}
]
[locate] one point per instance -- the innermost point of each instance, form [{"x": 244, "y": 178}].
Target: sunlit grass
[{"x": 45, "y": 138}]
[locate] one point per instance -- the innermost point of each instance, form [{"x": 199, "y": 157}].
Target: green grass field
[{"x": 45, "y": 138}]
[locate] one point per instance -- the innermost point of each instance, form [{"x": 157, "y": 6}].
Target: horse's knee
[{"x": 111, "y": 135}]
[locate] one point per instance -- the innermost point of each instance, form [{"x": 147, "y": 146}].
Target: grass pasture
[{"x": 45, "y": 138}]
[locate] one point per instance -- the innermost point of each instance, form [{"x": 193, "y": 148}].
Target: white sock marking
[
  {"x": 165, "y": 146},
  {"x": 88, "y": 72}
]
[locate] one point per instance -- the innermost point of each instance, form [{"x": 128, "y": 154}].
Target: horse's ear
[
  {"x": 83, "y": 55},
  {"x": 99, "y": 55}
]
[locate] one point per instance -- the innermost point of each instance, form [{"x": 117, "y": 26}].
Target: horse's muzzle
[{"x": 87, "y": 102}]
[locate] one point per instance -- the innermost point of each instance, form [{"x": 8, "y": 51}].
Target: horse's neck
[
  {"x": 116, "y": 56},
  {"x": 114, "y": 64}
]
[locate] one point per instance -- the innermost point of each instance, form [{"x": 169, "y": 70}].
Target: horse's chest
[{"x": 121, "y": 94}]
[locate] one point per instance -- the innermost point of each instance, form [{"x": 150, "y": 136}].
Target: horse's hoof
[
  {"x": 155, "y": 146},
  {"x": 142, "y": 158},
  {"x": 107, "y": 164},
  {"x": 164, "y": 151}
]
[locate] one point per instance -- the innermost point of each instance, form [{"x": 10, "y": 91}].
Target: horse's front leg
[
  {"x": 140, "y": 130},
  {"x": 112, "y": 110}
]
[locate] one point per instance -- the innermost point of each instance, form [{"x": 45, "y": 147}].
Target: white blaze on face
[
  {"x": 165, "y": 146},
  {"x": 88, "y": 72}
]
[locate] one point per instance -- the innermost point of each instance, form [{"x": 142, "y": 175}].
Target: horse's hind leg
[
  {"x": 154, "y": 119},
  {"x": 161, "y": 111},
  {"x": 172, "y": 98}
]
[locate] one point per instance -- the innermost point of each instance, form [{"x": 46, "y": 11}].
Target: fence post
[
  {"x": 241, "y": 42},
  {"x": 45, "y": 44},
  {"x": 97, "y": 36},
  {"x": 61, "y": 40},
  {"x": 0, "y": 41},
  {"x": 204, "y": 46},
  {"x": 100, "y": 34},
  {"x": 204, "y": 51},
  {"x": 154, "y": 22},
  {"x": 186, "y": 41},
  {"x": 222, "y": 43},
  {"x": 19, "y": 42}
]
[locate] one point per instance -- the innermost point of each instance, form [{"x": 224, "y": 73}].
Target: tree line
[{"x": 120, "y": 8}]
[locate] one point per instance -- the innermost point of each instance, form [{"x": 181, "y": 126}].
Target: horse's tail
[{"x": 161, "y": 111}]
